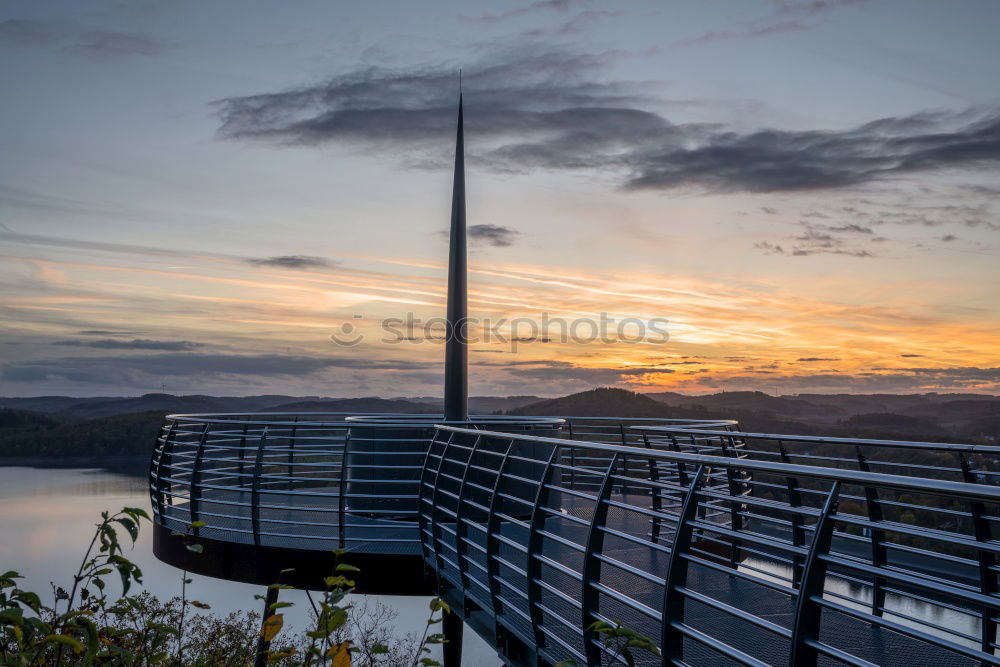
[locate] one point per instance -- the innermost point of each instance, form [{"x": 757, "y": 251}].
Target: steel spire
[{"x": 456, "y": 355}]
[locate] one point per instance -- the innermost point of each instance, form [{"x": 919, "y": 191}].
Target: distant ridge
[
  {"x": 47, "y": 428},
  {"x": 601, "y": 402}
]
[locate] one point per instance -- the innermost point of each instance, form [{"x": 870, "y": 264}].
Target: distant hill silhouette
[
  {"x": 368, "y": 404},
  {"x": 602, "y": 402},
  {"x": 57, "y": 427},
  {"x": 944, "y": 417},
  {"x": 90, "y": 408}
]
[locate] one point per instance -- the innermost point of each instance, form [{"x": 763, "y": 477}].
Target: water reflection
[
  {"x": 47, "y": 518},
  {"x": 929, "y": 618}
]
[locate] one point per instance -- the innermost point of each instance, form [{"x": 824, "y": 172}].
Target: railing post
[
  {"x": 161, "y": 485},
  {"x": 987, "y": 561},
  {"x": 656, "y": 499},
  {"x": 492, "y": 529},
  {"x": 291, "y": 454},
  {"x": 258, "y": 468},
  {"x": 808, "y": 613},
  {"x": 194, "y": 484},
  {"x": 436, "y": 530},
  {"x": 795, "y": 500},
  {"x": 592, "y": 566},
  {"x": 672, "y": 610},
  {"x": 534, "y": 547},
  {"x": 461, "y": 529},
  {"x": 239, "y": 470},
  {"x": 572, "y": 457},
  {"x": 342, "y": 499},
  {"x": 264, "y": 645},
  {"x": 880, "y": 555},
  {"x": 735, "y": 508}
]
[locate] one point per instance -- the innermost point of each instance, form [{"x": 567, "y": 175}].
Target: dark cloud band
[{"x": 553, "y": 110}]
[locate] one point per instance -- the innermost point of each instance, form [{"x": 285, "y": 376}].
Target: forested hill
[
  {"x": 55, "y": 427},
  {"x": 934, "y": 417}
]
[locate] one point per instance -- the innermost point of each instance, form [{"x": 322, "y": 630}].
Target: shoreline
[{"x": 94, "y": 461}]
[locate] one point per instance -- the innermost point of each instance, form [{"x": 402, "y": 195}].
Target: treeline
[{"x": 25, "y": 434}]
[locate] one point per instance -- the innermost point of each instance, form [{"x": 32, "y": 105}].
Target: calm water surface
[{"x": 47, "y": 518}]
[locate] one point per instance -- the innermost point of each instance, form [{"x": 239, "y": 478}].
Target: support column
[
  {"x": 453, "y": 627},
  {"x": 263, "y": 646}
]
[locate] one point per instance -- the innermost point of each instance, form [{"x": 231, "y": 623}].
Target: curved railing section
[
  {"x": 814, "y": 565},
  {"x": 320, "y": 481}
]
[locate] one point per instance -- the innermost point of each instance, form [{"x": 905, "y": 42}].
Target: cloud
[
  {"x": 819, "y": 359},
  {"x": 140, "y": 370},
  {"x": 105, "y": 332},
  {"x": 755, "y": 31},
  {"x": 539, "y": 5},
  {"x": 859, "y": 229},
  {"x": 813, "y": 6},
  {"x": 535, "y": 108},
  {"x": 29, "y": 33},
  {"x": 570, "y": 374},
  {"x": 109, "y": 43},
  {"x": 494, "y": 235},
  {"x": 135, "y": 344},
  {"x": 817, "y": 240},
  {"x": 769, "y": 248},
  {"x": 100, "y": 43},
  {"x": 292, "y": 262}
]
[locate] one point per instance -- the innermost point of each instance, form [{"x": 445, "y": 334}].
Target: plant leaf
[{"x": 272, "y": 626}]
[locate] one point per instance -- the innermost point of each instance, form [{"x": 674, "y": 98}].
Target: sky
[{"x": 234, "y": 198}]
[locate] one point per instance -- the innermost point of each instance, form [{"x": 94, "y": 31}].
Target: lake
[{"x": 47, "y": 518}]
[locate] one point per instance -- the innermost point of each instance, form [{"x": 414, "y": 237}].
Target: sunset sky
[{"x": 195, "y": 196}]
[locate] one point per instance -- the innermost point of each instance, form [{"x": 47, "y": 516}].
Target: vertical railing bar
[
  {"x": 879, "y": 553},
  {"x": 291, "y": 453},
  {"x": 808, "y": 613},
  {"x": 437, "y": 532},
  {"x": 243, "y": 444},
  {"x": 534, "y": 547},
  {"x": 258, "y": 466},
  {"x": 492, "y": 529},
  {"x": 572, "y": 458},
  {"x": 735, "y": 507},
  {"x": 161, "y": 484},
  {"x": 592, "y": 566},
  {"x": 672, "y": 609},
  {"x": 656, "y": 499},
  {"x": 194, "y": 482},
  {"x": 461, "y": 530},
  {"x": 987, "y": 561},
  {"x": 422, "y": 515},
  {"x": 342, "y": 500},
  {"x": 798, "y": 532}
]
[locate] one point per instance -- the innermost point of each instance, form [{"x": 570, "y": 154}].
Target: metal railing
[
  {"x": 313, "y": 480},
  {"x": 936, "y": 460},
  {"x": 813, "y": 564}
]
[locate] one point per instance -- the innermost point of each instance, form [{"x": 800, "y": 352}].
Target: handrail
[
  {"x": 712, "y": 530},
  {"x": 824, "y": 440},
  {"x": 961, "y": 489}
]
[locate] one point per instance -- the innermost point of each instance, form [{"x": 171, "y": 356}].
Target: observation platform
[{"x": 722, "y": 546}]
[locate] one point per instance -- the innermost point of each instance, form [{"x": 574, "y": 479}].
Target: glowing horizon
[{"x": 208, "y": 229}]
